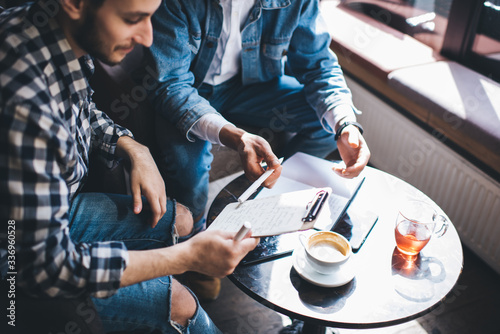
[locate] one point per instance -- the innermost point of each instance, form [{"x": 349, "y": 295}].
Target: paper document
[
  {"x": 272, "y": 215},
  {"x": 303, "y": 171}
]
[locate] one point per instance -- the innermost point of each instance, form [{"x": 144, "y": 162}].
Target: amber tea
[
  {"x": 411, "y": 240},
  {"x": 415, "y": 225}
]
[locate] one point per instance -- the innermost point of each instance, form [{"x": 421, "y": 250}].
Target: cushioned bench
[{"x": 467, "y": 100}]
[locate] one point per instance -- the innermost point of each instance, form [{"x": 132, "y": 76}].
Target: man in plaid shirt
[{"x": 70, "y": 243}]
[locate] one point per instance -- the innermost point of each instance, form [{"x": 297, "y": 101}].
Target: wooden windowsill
[{"x": 381, "y": 48}]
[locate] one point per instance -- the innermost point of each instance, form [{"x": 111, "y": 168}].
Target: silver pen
[
  {"x": 256, "y": 184},
  {"x": 243, "y": 231}
]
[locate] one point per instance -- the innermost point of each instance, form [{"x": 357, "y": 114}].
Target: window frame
[{"x": 463, "y": 22}]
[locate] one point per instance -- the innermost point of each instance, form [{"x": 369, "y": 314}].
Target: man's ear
[{"x": 73, "y": 8}]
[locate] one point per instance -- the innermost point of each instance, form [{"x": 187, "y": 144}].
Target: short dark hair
[{"x": 95, "y": 3}]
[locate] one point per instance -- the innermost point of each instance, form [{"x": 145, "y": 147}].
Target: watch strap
[{"x": 346, "y": 124}]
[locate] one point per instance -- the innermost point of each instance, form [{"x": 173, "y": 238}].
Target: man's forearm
[
  {"x": 148, "y": 264},
  {"x": 230, "y": 136},
  {"x": 126, "y": 147}
]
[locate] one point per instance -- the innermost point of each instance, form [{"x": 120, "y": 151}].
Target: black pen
[{"x": 318, "y": 202}]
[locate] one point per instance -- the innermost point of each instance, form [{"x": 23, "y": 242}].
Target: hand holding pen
[
  {"x": 257, "y": 183},
  {"x": 216, "y": 253},
  {"x": 244, "y": 229},
  {"x": 253, "y": 150}
]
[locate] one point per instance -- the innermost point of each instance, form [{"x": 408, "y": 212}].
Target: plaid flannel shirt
[{"x": 48, "y": 124}]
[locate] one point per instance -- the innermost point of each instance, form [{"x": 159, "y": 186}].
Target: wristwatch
[{"x": 344, "y": 125}]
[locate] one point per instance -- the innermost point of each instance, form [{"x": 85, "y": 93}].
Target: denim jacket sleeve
[
  {"x": 315, "y": 65},
  {"x": 175, "y": 96}
]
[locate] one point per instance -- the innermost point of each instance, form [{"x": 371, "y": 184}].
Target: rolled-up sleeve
[{"x": 105, "y": 134}]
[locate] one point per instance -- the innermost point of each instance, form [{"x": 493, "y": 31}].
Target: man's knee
[
  {"x": 183, "y": 305},
  {"x": 183, "y": 220}
]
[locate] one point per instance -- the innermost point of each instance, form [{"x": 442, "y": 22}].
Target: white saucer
[{"x": 342, "y": 275}]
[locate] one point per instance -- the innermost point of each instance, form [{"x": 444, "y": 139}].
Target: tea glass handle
[
  {"x": 303, "y": 240},
  {"x": 444, "y": 225}
]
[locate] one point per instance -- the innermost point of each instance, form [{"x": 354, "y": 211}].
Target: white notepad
[{"x": 272, "y": 215}]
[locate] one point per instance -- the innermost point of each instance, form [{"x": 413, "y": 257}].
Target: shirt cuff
[
  {"x": 340, "y": 113},
  {"x": 108, "y": 261},
  {"x": 208, "y": 127}
]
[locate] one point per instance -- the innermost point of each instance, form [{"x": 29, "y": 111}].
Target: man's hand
[
  {"x": 252, "y": 150},
  {"x": 145, "y": 179},
  {"x": 354, "y": 152},
  {"x": 215, "y": 253}
]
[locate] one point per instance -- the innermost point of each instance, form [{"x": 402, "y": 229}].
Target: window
[
  {"x": 466, "y": 31},
  {"x": 485, "y": 48}
]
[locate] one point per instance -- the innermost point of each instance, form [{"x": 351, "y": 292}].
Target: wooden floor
[{"x": 472, "y": 307}]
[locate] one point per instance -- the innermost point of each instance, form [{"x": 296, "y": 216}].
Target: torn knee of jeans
[
  {"x": 179, "y": 328},
  {"x": 183, "y": 221},
  {"x": 184, "y": 329},
  {"x": 175, "y": 236}
]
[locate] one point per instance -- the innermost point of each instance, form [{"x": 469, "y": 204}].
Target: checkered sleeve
[
  {"x": 36, "y": 151},
  {"x": 105, "y": 134}
]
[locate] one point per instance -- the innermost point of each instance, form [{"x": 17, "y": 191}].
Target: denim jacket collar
[
  {"x": 270, "y": 4},
  {"x": 273, "y": 4}
]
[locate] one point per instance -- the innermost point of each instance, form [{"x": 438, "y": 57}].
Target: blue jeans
[
  {"x": 143, "y": 307},
  {"x": 275, "y": 106}
]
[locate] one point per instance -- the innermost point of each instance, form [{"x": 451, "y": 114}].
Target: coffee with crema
[{"x": 326, "y": 251}]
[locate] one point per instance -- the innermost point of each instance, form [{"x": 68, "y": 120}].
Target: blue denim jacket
[{"x": 277, "y": 32}]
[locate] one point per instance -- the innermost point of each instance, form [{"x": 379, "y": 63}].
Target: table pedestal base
[{"x": 313, "y": 329}]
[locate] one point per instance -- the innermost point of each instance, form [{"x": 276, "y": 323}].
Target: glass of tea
[{"x": 417, "y": 221}]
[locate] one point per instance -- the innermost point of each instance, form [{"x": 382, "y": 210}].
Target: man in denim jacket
[{"x": 264, "y": 64}]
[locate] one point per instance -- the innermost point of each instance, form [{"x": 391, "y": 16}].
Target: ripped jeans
[{"x": 142, "y": 307}]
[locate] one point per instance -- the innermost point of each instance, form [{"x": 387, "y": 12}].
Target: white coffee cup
[{"x": 326, "y": 251}]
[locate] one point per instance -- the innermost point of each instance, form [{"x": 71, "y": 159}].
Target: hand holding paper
[{"x": 273, "y": 215}]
